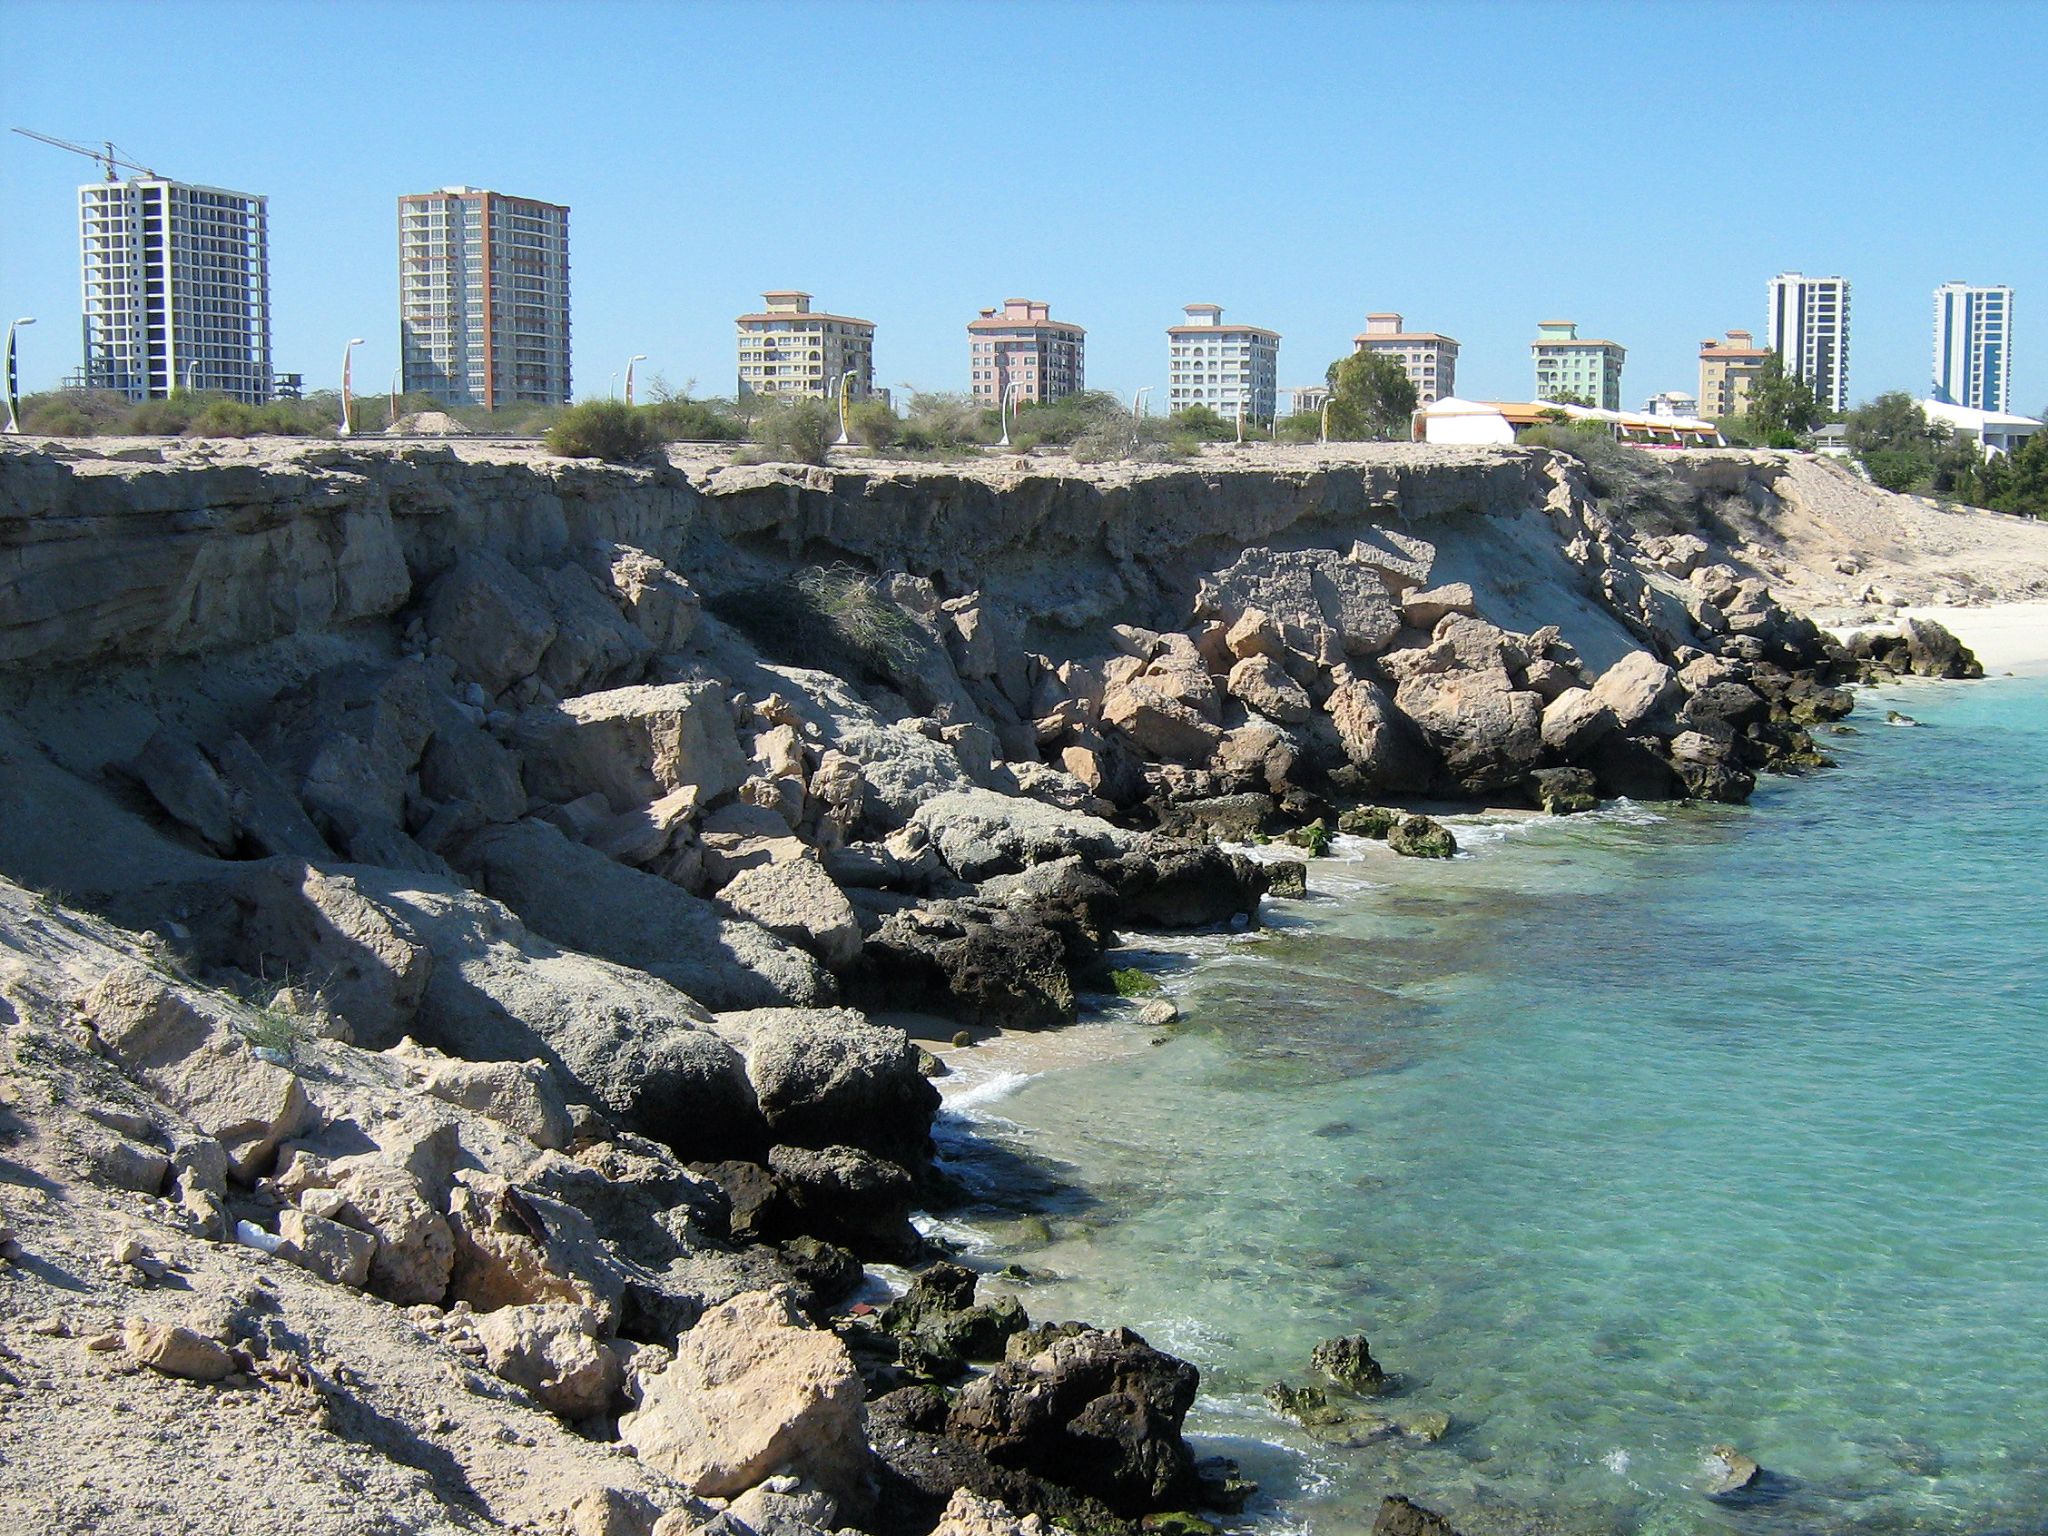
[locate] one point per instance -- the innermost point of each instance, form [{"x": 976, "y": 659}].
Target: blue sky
[{"x": 1642, "y": 169}]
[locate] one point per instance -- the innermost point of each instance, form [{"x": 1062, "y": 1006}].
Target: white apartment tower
[
  {"x": 1222, "y": 366},
  {"x": 788, "y": 349},
  {"x": 176, "y": 288},
  {"x": 1973, "y": 346},
  {"x": 1809, "y": 329},
  {"x": 483, "y": 298},
  {"x": 1429, "y": 359}
]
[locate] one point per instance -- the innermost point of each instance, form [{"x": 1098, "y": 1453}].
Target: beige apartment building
[
  {"x": 1727, "y": 369},
  {"x": 789, "y": 349},
  {"x": 1021, "y": 348},
  {"x": 1431, "y": 360}
]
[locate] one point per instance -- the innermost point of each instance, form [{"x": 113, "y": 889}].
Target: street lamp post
[
  {"x": 353, "y": 343},
  {"x": 615, "y": 385},
  {"x": 392, "y": 424},
  {"x": 637, "y": 357},
  {"x": 1003, "y": 412},
  {"x": 13, "y": 397},
  {"x": 1240, "y": 420},
  {"x": 192, "y": 378},
  {"x": 1138, "y": 402},
  {"x": 1324, "y": 438},
  {"x": 845, "y": 389}
]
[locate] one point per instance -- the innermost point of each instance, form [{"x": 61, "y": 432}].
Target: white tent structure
[{"x": 1995, "y": 431}]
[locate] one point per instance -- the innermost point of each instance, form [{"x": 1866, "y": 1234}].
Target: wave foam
[{"x": 992, "y": 1089}]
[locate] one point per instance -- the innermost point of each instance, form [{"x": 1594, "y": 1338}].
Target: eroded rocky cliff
[{"x": 456, "y": 888}]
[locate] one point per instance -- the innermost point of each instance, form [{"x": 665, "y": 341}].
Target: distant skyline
[{"x": 1643, "y": 170}]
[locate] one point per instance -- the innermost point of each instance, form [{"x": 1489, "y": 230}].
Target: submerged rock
[
  {"x": 1348, "y": 1362},
  {"x": 1398, "y": 1517}
]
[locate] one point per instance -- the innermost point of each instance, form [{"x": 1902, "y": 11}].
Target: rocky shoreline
[{"x": 444, "y": 895}]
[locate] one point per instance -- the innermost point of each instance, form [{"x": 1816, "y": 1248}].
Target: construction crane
[{"x": 104, "y": 155}]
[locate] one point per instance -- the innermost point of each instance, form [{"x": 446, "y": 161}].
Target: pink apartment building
[{"x": 1023, "y": 347}]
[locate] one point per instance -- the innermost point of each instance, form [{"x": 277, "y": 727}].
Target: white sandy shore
[{"x": 2007, "y": 637}]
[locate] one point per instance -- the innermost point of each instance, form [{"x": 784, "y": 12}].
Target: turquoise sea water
[{"x": 1623, "y": 1137}]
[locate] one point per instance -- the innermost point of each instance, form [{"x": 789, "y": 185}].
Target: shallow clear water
[{"x": 1624, "y": 1137}]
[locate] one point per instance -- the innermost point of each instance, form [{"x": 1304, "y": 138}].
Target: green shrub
[
  {"x": 682, "y": 420},
  {"x": 796, "y": 431},
  {"x": 1132, "y": 982},
  {"x": 1632, "y": 481},
  {"x": 601, "y": 429},
  {"x": 274, "y": 1030},
  {"x": 831, "y": 620}
]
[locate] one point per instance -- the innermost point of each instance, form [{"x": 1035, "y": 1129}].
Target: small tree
[
  {"x": 871, "y": 424},
  {"x": 1201, "y": 424},
  {"x": 1781, "y": 405},
  {"x": 2018, "y": 481},
  {"x": 1372, "y": 398}
]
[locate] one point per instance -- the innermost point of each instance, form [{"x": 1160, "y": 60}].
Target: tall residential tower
[
  {"x": 176, "y": 288},
  {"x": 1431, "y": 360},
  {"x": 483, "y": 298},
  {"x": 1973, "y": 346},
  {"x": 1809, "y": 329},
  {"x": 1022, "y": 348},
  {"x": 1225, "y": 367}
]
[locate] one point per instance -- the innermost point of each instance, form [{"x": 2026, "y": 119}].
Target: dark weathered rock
[
  {"x": 1099, "y": 1410},
  {"x": 1924, "y": 649},
  {"x": 1418, "y": 837},
  {"x": 1374, "y": 821},
  {"x": 1287, "y": 878},
  {"x": 850, "y": 1197},
  {"x": 970, "y": 962},
  {"x": 1398, "y": 1517},
  {"x": 1562, "y": 791},
  {"x": 939, "y": 1321},
  {"x": 1177, "y": 885},
  {"x": 921, "y": 1466}
]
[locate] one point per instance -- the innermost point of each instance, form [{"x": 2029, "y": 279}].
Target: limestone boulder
[
  {"x": 197, "y": 1063},
  {"x": 578, "y": 897},
  {"x": 1377, "y": 739},
  {"x": 187, "y": 788},
  {"x": 633, "y": 745},
  {"x": 661, "y": 604},
  {"x": 553, "y": 1350},
  {"x": 969, "y": 1514},
  {"x": 830, "y": 1077},
  {"x": 516, "y": 1247},
  {"x": 490, "y": 620},
  {"x": 1253, "y": 633},
  {"x": 1575, "y": 721},
  {"x": 994, "y": 967},
  {"x": 1322, "y": 604},
  {"x": 641, "y": 1049},
  {"x": 595, "y": 645},
  {"x": 176, "y": 1350},
  {"x": 797, "y": 901},
  {"x": 900, "y": 768},
  {"x": 752, "y": 1392},
  {"x": 336, "y": 1253},
  {"x": 1425, "y": 608},
  {"x": 1159, "y": 724},
  {"x": 1487, "y": 733},
  {"x": 1261, "y": 683},
  {"x": 980, "y": 834},
  {"x": 522, "y": 1096},
  {"x": 415, "y": 1248},
  {"x": 1639, "y": 688}
]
